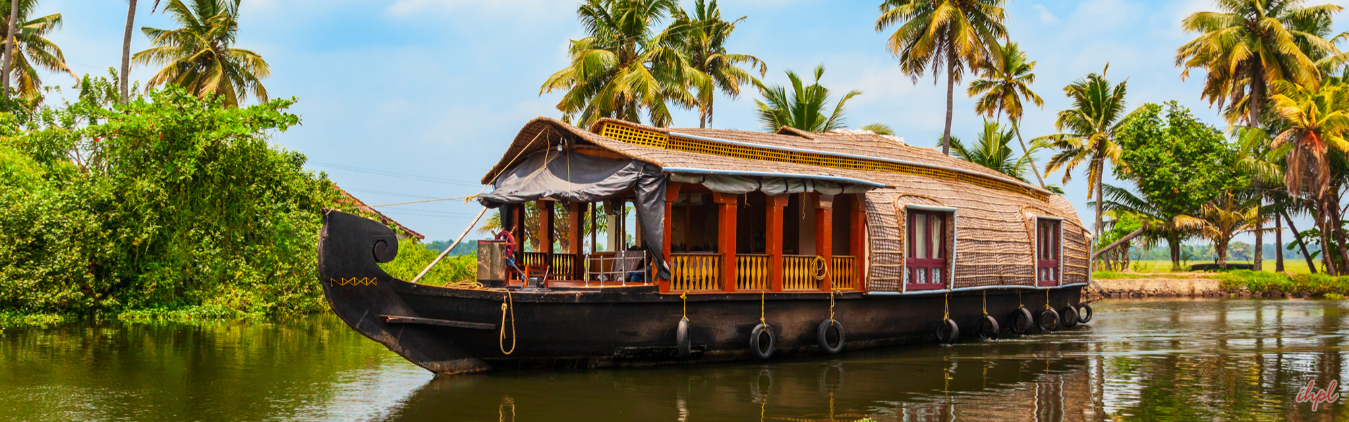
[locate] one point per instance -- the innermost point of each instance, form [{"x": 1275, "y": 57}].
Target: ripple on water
[{"x": 1152, "y": 360}]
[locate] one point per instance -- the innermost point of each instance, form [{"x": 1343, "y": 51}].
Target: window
[
  {"x": 926, "y": 256},
  {"x": 1047, "y": 249}
]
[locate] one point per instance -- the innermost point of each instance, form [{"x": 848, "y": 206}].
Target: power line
[{"x": 394, "y": 174}]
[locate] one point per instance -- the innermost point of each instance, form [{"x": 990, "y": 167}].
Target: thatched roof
[{"x": 996, "y": 212}]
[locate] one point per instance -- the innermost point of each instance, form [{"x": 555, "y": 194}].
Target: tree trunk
[
  {"x": 950, "y": 102},
  {"x": 1278, "y": 244},
  {"x": 10, "y": 40},
  {"x": 126, "y": 52},
  {"x": 1017, "y": 128},
  {"x": 1297, "y": 236},
  {"x": 1331, "y": 268},
  {"x": 1173, "y": 242},
  {"x": 1220, "y": 248},
  {"x": 1258, "y": 257},
  {"x": 1100, "y": 190}
]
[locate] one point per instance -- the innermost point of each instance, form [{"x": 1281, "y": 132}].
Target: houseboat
[{"x": 743, "y": 246}]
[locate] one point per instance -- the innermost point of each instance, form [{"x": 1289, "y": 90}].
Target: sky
[{"x": 405, "y": 100}]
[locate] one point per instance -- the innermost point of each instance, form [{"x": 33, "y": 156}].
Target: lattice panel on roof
[
  {"x": 635, "y": 136},
  {"x": 654, "y": 139}
]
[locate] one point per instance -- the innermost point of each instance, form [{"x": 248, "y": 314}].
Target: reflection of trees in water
[
  {"x": 308, "y": 368},
  {"x": 1228, "y": 360}
]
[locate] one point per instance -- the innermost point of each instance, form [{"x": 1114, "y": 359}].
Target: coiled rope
[{"x": 502, "y": 342}]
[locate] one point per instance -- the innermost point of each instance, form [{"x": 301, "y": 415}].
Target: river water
[{"x": 1149, "y": 360}]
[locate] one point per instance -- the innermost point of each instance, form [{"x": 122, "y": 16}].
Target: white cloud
[{"x": 1045, "y": 16}]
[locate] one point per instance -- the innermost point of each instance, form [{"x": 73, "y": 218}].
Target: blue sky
[{"x": 431, "y": 91}]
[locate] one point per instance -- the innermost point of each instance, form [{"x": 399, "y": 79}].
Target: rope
[
  {"x": 685, "y": 297},
  {"x": 823, "y": 270},
  {"x": 1018, "y": 298},
  {"x": 761, "y": 318},
  {"x": 985, "y": 302},
  {"x": 946, "y": 312},
  {"x": 1047, "y": 300},
  {"x": 502, "y": 342}
]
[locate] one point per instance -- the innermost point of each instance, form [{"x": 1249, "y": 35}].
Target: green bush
[
  {"x": 1298, "y": 284},
  {"x": 168, "y": 203},
  {"x": 414, "y": 256}
]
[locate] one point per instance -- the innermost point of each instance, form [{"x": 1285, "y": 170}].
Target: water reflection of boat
[
  {"x": 1005, "y": 381},
  {"x": 770, "y": 245}
]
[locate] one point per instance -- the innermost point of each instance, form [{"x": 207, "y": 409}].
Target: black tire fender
[
  {"x": 1084, "y": 313},
  {"x": 763, "y": 351},
  {"x": 823, "y": 335},
  {"x": 1052, "y": 325},
  {"x": 955, "y": 331},
  {"x": 682, "y": 338},
  {"x": 1069, "y": 317},
  {"x": 992, "y": 324},
  {"x": 1020, "y": 314}
]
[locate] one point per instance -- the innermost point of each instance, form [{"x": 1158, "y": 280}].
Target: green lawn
[{"x": 1295, "y": 266}]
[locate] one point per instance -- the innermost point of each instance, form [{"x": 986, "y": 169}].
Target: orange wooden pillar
[
  {"x": 824, "y": 235},
  {"x": 671, "y": 195},
  {"x": 546, "y": 227},
  {"x": 726, "y": 205},
  {"x": 857, "y": 241},
  {"x": 773, "y": 238},
  {"x": 574, "y": 217}
]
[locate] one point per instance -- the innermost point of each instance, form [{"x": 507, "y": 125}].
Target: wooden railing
[
  {"x": 798, "y": 273},
  {"x": 844, "y": 273},
  {"x": 564, "y": 266},
  {"x": 751, "y": 272},
  {"x": 533, "y": 258},
  {"x": 695, "y": 271}
]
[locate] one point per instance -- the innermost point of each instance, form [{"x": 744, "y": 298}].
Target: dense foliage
[
  {"x": 414, "y": 256},
  {"x": 168, "y": 202}
]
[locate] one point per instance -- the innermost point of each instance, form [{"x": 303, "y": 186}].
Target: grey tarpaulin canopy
[{"x": 573, "y": 177}]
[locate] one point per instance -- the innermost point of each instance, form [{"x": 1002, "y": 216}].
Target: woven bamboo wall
[{"x": 994, "y": 243}]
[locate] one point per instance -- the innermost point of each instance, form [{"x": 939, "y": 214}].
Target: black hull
[{"x": 451, "y": 331}]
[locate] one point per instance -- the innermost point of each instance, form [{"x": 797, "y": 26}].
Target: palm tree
[
  {"x": 702, "y": 38},
  {"x": 1003, "y": 83},
  {"x": 199, "y": 57},
  {"x": 880, "y": 129},
  {"x": 125, "y": 79},
  {"x": 623, "y": 66},
  {"x": 32, "y": 50},
  {"x": 945, "y": 36},
  {"x": 1087, "y": 132},
  {"x": 1223, "y": 219},
  {"x": 1248, "y": 45},
  {"x": 1157, "y": 225},
  {"x": 803, "y": 108},
  {"x": 992, "y": 151},
  {"x": 1315, "y": 121}
]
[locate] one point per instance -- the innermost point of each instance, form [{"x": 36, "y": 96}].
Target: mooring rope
[
  {"x": 761, "y": 318},
  {"x": 685, "y": 297},
  {"x": 946, "y": 312},
  {"x": 502, "y": 342}
]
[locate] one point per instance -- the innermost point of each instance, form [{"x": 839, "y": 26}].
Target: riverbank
[{"x": 1232, "y": 284}]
